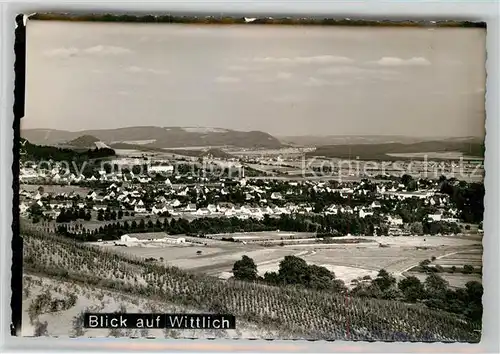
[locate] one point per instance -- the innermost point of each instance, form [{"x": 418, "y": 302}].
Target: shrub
[
  {"x": 41, "y": 329},
  {"x": 468, "y": 269}
]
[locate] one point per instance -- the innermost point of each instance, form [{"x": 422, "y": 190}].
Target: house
[
  {"x": 53, "y": 214},
  {"x": 376, "y": 204},
  {"x": 161, "y": 169},
  {"x": 437, "y": 216},
  {"x": 276, "y": 196},
  {"x": 190, "y": 207},
  {"x": 212, "y": 208},
  {"x": 23, "y": 208},
  {"x": 332, "y": 209},
  {"x": 394, "y": 220},
  {"x": 92, "y": 195},
  {"x": 202, "y": 211},
  {"x": 347, "y": 209},
  {"x": 365, "y": 212}
]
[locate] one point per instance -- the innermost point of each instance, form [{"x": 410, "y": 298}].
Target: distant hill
[
  {"x": 159, "y": 137},
  {"x": 83, "y": 141},
  {"x": 470, "y": 147},
  {"x": 218, "y": 153},
  {"x": 315, "y": 140}
]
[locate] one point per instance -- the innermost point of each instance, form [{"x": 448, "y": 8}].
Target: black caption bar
[{"x": 159, "y": 320}]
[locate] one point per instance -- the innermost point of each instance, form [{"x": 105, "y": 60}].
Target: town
[{"x": 394, "y": 206}]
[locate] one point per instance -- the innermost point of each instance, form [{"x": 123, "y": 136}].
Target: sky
[{"x": 284, "y": 80}]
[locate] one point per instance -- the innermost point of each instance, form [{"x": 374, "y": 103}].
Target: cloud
[
  {"x": 96, "y": 50},
  {"x": 283, "y": 76},
  {"x": 106, "y": 50},
  {"x": 138, "y": 69},
  {"x": 359, "y": 73},
  {"x": 313, "y": 81},
  {"x": 320, "y": 59},
  {"x": 227, "y": 80},
  {"x": 288, "y": 98},
  {"x": 62, "y": 52},
  {"x": 393, "y": 61},
  {"x": 239, "y": 68},
  {"x": 280, "y": 76}
]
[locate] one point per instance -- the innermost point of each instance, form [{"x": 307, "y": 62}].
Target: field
[
  {"x": 435, "y": 155},
  {"x": 281, "y": 313},
  {"x": 458, "y": 259},
  {"x": 348, "y": 261},
  {"x": 454, "y": 280}
]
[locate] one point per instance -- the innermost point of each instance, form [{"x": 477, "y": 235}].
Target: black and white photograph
[{"x": 312, "y": 179}]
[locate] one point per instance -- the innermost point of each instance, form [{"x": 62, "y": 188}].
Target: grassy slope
[
  {"x": 288, "y": 312},
  {"x": 95, "y": 299}
]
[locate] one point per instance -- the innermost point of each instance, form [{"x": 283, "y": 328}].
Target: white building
[
  {"x": 276, "y": 196},
  {"x": 364, "y": 212},
  {"x": 162, "y": 169},
  {"x": 395, "y": 220}
]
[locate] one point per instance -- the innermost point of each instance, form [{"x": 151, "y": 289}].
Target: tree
[
  {"x": 435, "y": 286},
  {"x": 474, "y": 292},
  {"x": 468, "y": 269},
  {"x": 272, "y": 278},
  {"x": 293, "y": 270},
  {"x": 412, "y": 288},
  {"x": 320, "y": 278},
  {"x": 384, "y": 280},
  {"x": 406, "y": 179},
  {"x": 417, "y": 228},
  {"x": 245, "y": 269}
]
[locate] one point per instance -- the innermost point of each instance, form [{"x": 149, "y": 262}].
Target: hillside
[
  {"x": 84, "y": 141},
  {"x": 289, "y": 311},
  {"x": 382, "y": 151},
  {"x": 34, "y": 152},
  {"x": 160, "y": 137},
  {"x": 65, "y": 320}
]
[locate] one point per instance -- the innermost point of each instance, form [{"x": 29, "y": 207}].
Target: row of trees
[
  {"x": 292, "y": 271},
  {"x": 107, "y": 214},
  {"x": 434, "y": 292},
  {"x": 330, "y": 225},
  {"x": 73, "y": 214}
]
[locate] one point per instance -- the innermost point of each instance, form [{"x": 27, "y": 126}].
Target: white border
[{"x": 471, "y": 10}]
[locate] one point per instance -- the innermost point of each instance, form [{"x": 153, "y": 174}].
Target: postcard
[{"x": 252, "y": 178}]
